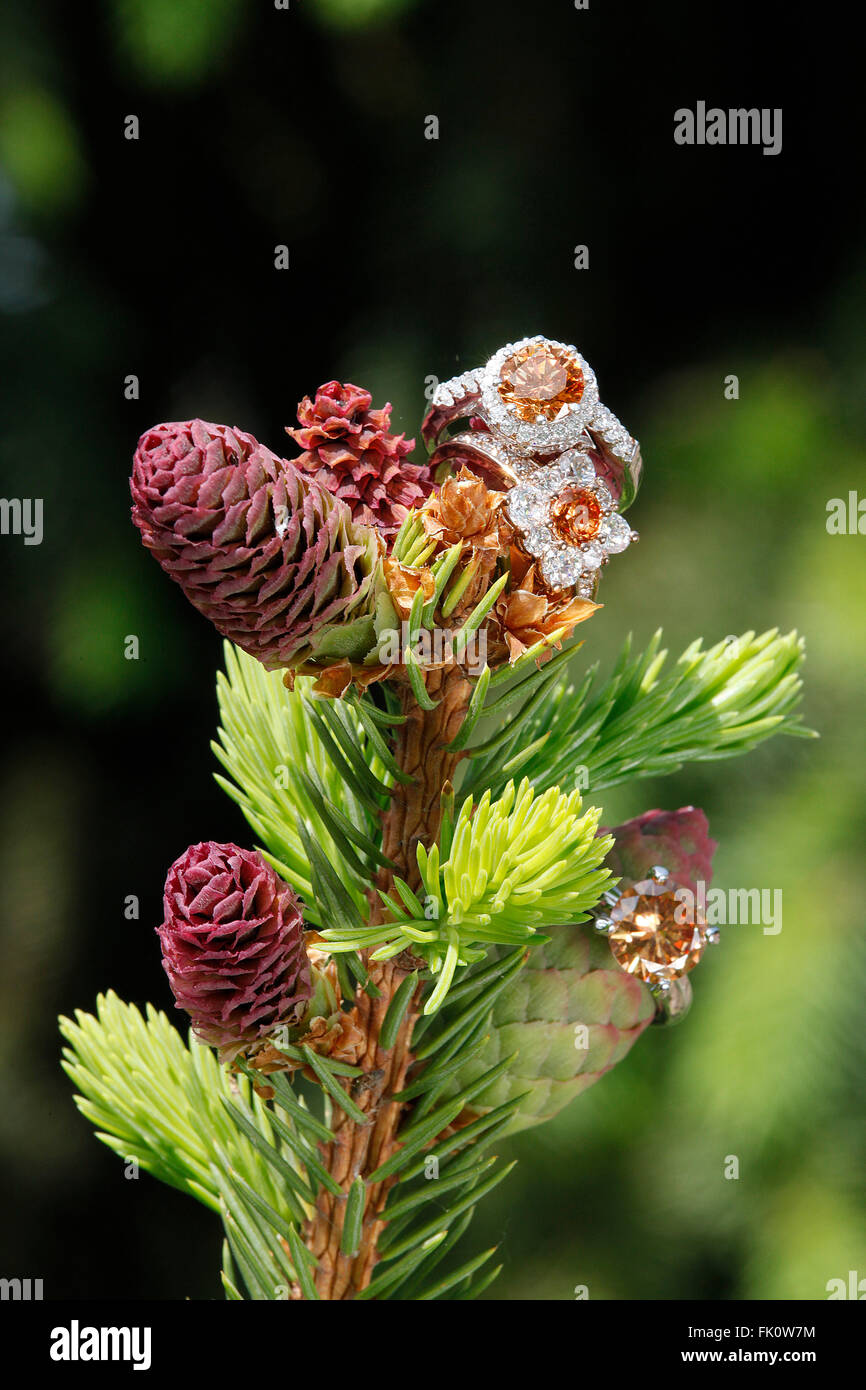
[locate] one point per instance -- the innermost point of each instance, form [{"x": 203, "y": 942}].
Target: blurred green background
[{"x": 409, "y": 258}]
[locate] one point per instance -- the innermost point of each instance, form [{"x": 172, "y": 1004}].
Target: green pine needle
[
  {"x": 158, "y": 1100},
  {"x": 646, "y": 720},
  {"x": 350, "y": 1239},
  {"x": 515, "y": 865},
  {"x": 287, "y": 756}
]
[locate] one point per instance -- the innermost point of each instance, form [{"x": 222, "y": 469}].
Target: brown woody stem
[{"x": 413, "y": 814}]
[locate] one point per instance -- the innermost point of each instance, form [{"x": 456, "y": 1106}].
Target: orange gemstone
[
  {"x": 539, "y": 380},
  {"x": 654, "y": 936},
  {"x": 575, "y": 515}
]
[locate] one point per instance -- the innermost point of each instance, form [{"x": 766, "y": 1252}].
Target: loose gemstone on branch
[{"x": 654, "y": 936}]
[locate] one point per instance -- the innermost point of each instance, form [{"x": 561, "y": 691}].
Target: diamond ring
[
  {"x": 536, "y": 398},
  {"x": 565, "y": 517},
  {"x": 657, "y": 934},
  {"x": 562, "y": 514},
  {"x": 483, "y": 453}
]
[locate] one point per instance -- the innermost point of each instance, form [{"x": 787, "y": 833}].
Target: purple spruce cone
[
  {"x": 233, "y": 946},
  {"x": 275, "y": 562}
]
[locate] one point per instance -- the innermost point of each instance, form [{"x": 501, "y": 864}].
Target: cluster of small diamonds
[
  {"x": 615, "y": 435},
  {"x": 528, "y": 506},
  {"x": 538, "y": 436},
  {"x": 456, "y": 389},
  {"x": 516, "y": 443}
]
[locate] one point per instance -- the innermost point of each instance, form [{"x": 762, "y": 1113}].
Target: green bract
[{"x": 560, "y": 1023}]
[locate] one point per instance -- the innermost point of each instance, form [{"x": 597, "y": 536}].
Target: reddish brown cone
[{"x": 350, "y": 450}]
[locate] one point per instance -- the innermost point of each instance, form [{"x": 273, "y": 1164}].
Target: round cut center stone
[
  {"x": 539, "y": 380},
  {"x": 655, "y": 936},
  {"x": 575, "y": 515}
]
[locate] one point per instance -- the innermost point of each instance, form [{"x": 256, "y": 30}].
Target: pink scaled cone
[
  {"x": 678, "y": 840},
  {"x": 233, "y": 945},
  {"x": 275, "y": 562},
  {"x": 349, "y": 449}
]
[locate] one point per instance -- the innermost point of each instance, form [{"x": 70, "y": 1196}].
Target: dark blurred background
[{"x": 412, "y": 258}]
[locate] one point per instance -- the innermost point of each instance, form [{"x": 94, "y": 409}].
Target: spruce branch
[
  {"x": 413, "y": 816},
  {"x": 509, "y": 868},
  {"x": 300, "y": 769},
  {"x": 646, "y": 720},
  {"x": 163, "y": 1102},
  {"x": 452, "y": 919}
]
